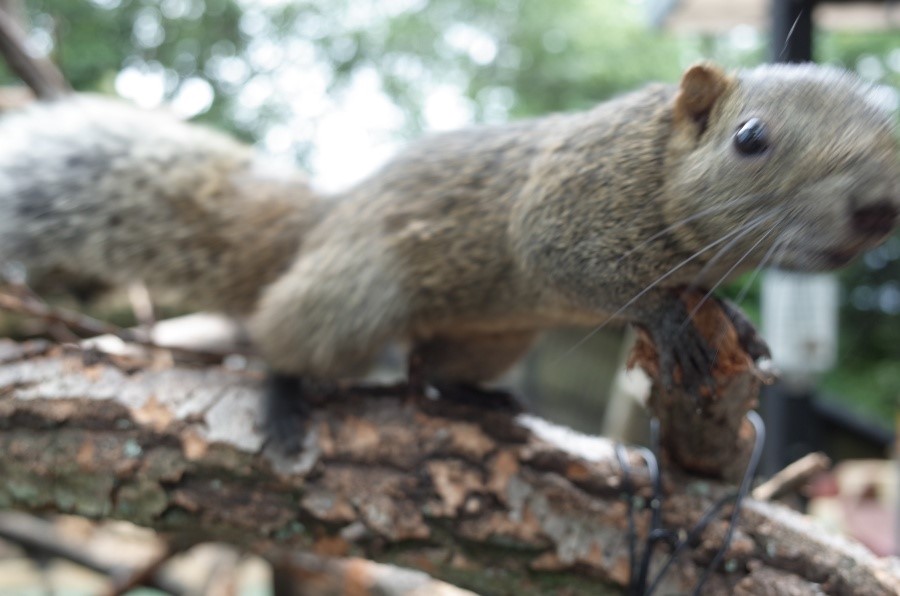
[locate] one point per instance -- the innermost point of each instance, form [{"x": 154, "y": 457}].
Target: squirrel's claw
[
  {"x": 749, "y": 338},
  {"x": 692, "y": 357},
  {"x": 685, "y": 357}
]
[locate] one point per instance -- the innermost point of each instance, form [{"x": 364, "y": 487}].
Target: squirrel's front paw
[
  {"x": 684, "y": 357},
  {"x": 692, "y": 333}
]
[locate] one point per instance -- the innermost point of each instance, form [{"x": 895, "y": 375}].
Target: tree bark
[{"x": 491, "y": 503}]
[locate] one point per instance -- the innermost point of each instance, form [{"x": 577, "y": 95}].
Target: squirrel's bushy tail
[{"x": 96, "y": 189}]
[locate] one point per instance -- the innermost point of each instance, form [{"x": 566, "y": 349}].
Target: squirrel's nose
[{"x": 877, "y": 219}]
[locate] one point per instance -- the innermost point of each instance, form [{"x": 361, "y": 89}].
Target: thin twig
[
  {"x": 792, "y": 477},
  {"x": 32, "y": 306},
  {"x": 15, "y": 9},
  {"x": 29, "y": 305},
  {"x": 40, "y": 74},
  {"x": 55, "y": 329}
]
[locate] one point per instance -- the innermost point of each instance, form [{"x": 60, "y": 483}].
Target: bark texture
[
  {"x": 707, "y": 432},
  {"x": 489, "y": 503}
]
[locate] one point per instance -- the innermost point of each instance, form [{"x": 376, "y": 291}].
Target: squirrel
[{"x": 467, "y": 244}]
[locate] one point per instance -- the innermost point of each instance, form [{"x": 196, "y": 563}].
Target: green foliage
[
  {"x": 875, "y": 55},
  {"x": 94, "y": 40},
  {"x": 574, "y": 53},
  {"x": 869, "y": 350},
  {"x": 522, "y": 57}
]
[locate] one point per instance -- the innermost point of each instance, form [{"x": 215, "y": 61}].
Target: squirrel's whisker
[
  {"x": 741, "y": 230},
  {"x": 726, "y": 249},
  {"x": 725, "y": 276},
  {"x": 777, "y": 247},
  {"x": 693, "y": 217}
]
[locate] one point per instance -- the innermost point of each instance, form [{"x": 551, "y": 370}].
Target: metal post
[
  {"x": 786, "y": 407},
  {"x": 792, "y": 30}
]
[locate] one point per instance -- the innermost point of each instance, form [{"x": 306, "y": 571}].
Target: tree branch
[
  {"x": 472, "y": 497},
  {"x": 709, "y": 433},
  {"x": 792, "y": 477},
  {"x": 41, "y": 75}
]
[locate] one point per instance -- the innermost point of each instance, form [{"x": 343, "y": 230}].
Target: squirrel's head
[{"x": 799, "y": 163}]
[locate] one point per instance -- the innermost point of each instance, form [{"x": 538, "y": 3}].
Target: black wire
[
  {"x": 638, "y": 571},
  {"x": 628, "y": 491},
  {"x": 655, "y": 532},
  {"x": 760, "y": 428},
  {"x": 639, "y": 580},
  {"x": 694, "y": 534}
]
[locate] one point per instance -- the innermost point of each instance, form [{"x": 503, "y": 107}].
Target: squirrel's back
[{"x": 99, "y": 188}]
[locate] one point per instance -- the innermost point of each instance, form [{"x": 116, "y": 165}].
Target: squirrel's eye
[{"x": 751, "y": 137}]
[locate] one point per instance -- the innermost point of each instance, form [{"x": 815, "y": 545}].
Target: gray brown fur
[
  {"x": 468, "y": 244},
  {"x": 98, "y": 188}
]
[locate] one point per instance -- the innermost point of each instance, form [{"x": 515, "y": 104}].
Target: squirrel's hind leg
[
  {"x": 285, "y": 411},
  {"x": 324, "y": 320},
  {"x": 329, "y": 315}
]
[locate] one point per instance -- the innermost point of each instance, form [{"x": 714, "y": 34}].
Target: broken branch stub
[{"x": 707, "y": 433}]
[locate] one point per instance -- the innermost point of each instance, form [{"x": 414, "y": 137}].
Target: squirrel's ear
[{"x": 701, "y": 87}]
